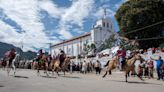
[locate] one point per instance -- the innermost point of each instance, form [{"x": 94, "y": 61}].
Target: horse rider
[
  {"x": 49, "y": 59},
  {"x": 62, "y": 57},
  {"x": 9, "y": 56},
  {"x": 121, "y": 53},
  {"x": 39, "y": 56}
]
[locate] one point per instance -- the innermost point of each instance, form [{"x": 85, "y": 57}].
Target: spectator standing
[
  {"x": 84, "y": 67},
  {"x": 159, "y": 63},
  {"x": 150, "y": 68},
  {"x": 98, "y": 67}
]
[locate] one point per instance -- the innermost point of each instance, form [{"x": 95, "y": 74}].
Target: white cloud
[
  {"x": 75, "y": 14},
  {"x": 51, "y": 8},
  {"x": 78, "y": 30},
  {"x": 64, "y": 34},
  {"x": 9, "y": 35},
  {"x": 79, "y": 10},
  {"x": 25, "y": 13}
]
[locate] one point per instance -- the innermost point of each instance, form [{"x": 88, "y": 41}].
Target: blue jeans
[
  {"x": 122, "y": 62},
  {"x": 159, "y": 73}
]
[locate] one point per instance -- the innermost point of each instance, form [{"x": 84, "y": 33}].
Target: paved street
[{"x": 28, "y": 81}]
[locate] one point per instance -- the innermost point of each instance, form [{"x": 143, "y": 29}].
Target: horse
[
  {"x": 16, "y": 59},
  {"x": 55, "y": 65},
  {"x": 128, "y": 67},
  {"x": 112, "y": 64},
  {"x": 42, "y": 63}
]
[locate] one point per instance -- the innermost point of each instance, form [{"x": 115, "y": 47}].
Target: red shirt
[{"x": 121, "y": 53}]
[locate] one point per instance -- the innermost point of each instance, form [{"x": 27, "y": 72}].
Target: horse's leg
[
  {"x": 38, "y": 73},
  {"x": 105, "y": 74},
  {"x": 53, "y": 69},
  {"x": 64, "y": 72},
  {"x": 46, "y": 68},
  {"x": 108, "y": 69},
  {"x": 126, "y": 75},
  {"x": 8, "y": 67},
  {"x": 38, "y": 67},
  {"x": 57, "y": 70},
  {"x": 14, "y": 68},
  {"x": 139, "y": 75}
]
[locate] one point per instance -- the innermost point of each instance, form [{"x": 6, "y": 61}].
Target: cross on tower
[{"x": 104, "y": 13}]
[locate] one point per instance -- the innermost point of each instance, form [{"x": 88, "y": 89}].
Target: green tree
[
  {"x": 109, "y": 43},
  {"x": 135, "y": 14},
  {"x": 89, "y": 48},
  {"x": 93, "y": 47}
]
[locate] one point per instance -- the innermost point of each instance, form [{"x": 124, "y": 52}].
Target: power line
[
  {"x": 153, "y": 38},
  {"x": 144, "y": 27}
]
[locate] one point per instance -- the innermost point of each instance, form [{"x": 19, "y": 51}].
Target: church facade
[{"x": 101, "y": 31}]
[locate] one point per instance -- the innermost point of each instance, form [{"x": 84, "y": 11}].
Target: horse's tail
[{"x": 107, "y": 63}]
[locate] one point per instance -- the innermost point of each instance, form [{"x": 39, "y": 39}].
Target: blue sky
[{"x": 35, "y": 23}]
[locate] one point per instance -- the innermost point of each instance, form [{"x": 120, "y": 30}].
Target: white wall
[{"x": 72, "y": 48}]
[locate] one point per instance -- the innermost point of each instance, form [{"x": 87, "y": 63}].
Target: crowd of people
[{"x": 85, "y": 67}]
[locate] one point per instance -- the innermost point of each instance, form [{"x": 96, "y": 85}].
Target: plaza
[{"x": 28, "y": 81}]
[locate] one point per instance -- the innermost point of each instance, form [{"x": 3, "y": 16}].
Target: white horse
[{"x": 16, "y": 59}]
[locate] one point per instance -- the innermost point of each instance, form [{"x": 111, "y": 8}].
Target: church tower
[{"x": 102, "y": 30}]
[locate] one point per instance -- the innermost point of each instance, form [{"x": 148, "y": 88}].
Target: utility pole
[
  {"x": 50, "y": 50},
  {"x": 21, "y": 42}
]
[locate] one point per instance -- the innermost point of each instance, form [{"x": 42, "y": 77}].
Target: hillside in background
[{"x": 24, "y": 55}]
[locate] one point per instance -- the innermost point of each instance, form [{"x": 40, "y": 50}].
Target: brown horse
[
  {"x": 128, "y": 67},
  {"x": 55, "y": 65},
  {"x": 112, "y": 64}
]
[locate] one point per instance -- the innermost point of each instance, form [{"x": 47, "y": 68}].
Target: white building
[{"x": 74, "y": 47}]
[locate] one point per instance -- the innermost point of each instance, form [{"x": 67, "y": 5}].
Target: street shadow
[
  {"x": 1, "y": 86},
  {"x": 70, "y": 77},
  {"x": 136, "y": 82},
  {"x": 48, "y": 76},
  {"x": 17, "y": 76}
]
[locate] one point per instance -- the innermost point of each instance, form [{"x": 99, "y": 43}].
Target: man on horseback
[
  {"x": 121, "y": 53},
  {"x": 42, "y": 60},
  {"x": 62, "y": 57},
  {"x": 39, "y": 57},
  {"x": 40, "y": 54},
  {"x": 9, "y": 57}
]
